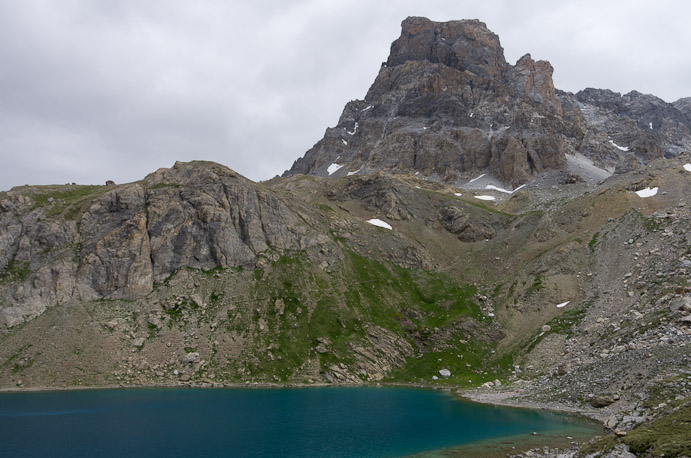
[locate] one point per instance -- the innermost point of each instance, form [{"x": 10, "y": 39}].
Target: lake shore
[
  {"x": 507, "y": 396},
  {"x": 552, "y": 436}
]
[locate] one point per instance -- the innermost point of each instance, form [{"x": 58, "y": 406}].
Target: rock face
[
  {"x": 128, "y": 237},
  {"x": 468, "y": 228},
  {"x": 447, "y": 105},
  {"x": 631, "y": 129}
]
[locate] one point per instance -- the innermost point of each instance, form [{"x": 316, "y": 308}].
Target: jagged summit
[
  {"x": 446, "y": 105},
  {"x": 463, "y": 45}
]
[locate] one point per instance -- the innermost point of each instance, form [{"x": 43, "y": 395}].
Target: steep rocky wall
[
  {"x": 443, "y": 100},
  {"x": 447, "y": 106},
  {"x": 121, "y": 240}
]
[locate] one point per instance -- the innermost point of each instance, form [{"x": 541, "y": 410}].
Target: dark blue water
[{"x": 306, "y": 422}]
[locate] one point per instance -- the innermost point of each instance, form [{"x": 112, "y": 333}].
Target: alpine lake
[{"x": 362, "y": 422}]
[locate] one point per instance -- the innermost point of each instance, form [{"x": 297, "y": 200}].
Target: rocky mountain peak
[
  {"x": 192, "y": 173},
  {"x": 463, "y": 45},
  {"x": 684, "y": 105},
  {"x": 447, "y": 106}
]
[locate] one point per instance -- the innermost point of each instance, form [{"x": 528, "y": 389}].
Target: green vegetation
[
  {"x": 64, "y": 200},
  {"x": 176, "y": 310},
  {"x": 165, "y": 185},
  {"x": 593, "y": 241},
  {"x": 650, "y": 223},
  {"x": 215, "y": 297},
  {"x": 304, "y": 307},
  {"x": 15, "y": 271},
  {"x": 468, "y": 363},
  {"x": 666, "y": 436},
  {"x": 599, "y": 444},
  {"x": 538, "y": 284},
  {"x": 15, "y": 359},
  {"x": 437, "y": 295},
  {"x": 562, "y": 324},
  {"x": 488, "y": 208},
  {"x": 23, "y": 365},
  {"x": 325, "y": 207}
]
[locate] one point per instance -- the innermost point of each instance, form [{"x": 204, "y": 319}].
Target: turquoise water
[{"x": 301, "y": 422}]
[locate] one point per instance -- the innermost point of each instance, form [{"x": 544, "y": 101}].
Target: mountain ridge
[{"x": 447, "y": 105}]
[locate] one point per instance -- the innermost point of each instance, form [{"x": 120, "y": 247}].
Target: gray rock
[
  {"x": 601, "y": 401},
  {"x": 190, "y": 358},
  {"x": 111, "y": 324},
  {"x": 197, "y": 299},
  {"x": 154, "y": 320},
  {"x": 611, "y": 422},
  {"x": 445, "y": 373},
  {"x": 469, "y": 227},
  {"x": 139, "y": 342}
]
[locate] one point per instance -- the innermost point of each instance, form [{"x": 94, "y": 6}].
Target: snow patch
[
  {"x": 497, "y": 188},
  {"x": 472, "y": 114},
  {"x": 647, "y": 192},
  {"x": 620, "y": 148},
  {"x": 457, "y": 194},
  {"x": 563, "y": 304},
  {"x": 650, "y": 125},
  {"x": 486, "y": 197},
  {"x": 506, "y": 191},
  {"x": 687, "y": 167},
  {"x": 380, "y": 223},
  {"x": 475, "y": 179},
  {"x": 344, "y": 142},
  {"x": 333, "y": 168},
  {"x": 352, "y": 173},
  {"x": 354, "y": 130},
  {"x": 365, "y": 109}
]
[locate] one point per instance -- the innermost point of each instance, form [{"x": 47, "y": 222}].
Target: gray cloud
[{"x": 91, "y": 91}]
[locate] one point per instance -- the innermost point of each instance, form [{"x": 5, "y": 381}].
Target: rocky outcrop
[
  {"x": 626, "y": 131},
  {"x": 210, "y": 216},
  {"x": 377, "y": 193},
  {"x": 376, "y": 355},
  {"x": 128, "y": 237},
  {"x": 446, "y": 105},
  {"x": 468, "y": 229}
]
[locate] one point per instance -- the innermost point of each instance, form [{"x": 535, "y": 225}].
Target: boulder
[
  {"x": 190, "y": 358},
  {"x": 601, "y": 401},
  {"x": 139, "y": 342}
]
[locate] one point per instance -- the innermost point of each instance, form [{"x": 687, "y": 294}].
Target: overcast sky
[{"x": 97, "y": 90}]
